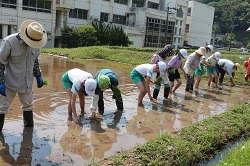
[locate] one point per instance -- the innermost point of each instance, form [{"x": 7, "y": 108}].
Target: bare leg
[
  {"x": 209, "y": 79},
  {"x": 142, "y": 91},
  {"x": 216, "y": 79},
  {"x": 82, "y": 101},
  {"x": 179, "y": 82},
  {"x": 197, "y": 81},
  {"x": 69, "y": 104}
]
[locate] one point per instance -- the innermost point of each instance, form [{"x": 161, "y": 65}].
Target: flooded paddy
[{"x": 56, "y": 141}]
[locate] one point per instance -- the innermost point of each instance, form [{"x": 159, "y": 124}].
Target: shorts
[
  {"x": 136, "y": 76},
  {"x": 199, "y": 71},
  {"x": 174, "y": 75},
  {"x": 211, "y": 70},
  {"x": 66, "y": 82}
]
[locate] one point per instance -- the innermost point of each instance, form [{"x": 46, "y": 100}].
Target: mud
[{"x": 56, "y": 141}]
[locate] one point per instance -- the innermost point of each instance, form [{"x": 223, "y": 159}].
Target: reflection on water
[{"x": 55, "y": 140}]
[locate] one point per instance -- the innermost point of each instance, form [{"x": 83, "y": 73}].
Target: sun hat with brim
[
  {"x": 248, "y": 29},
  {"x": 90, "y": 86},
  {"x": 33, "y": 34},
  {"x": 201, "y": 51},
  {"x": 184, "y": 53},
  {"x": 103, "y": 81},
  {"x": 217, "y": 56}
]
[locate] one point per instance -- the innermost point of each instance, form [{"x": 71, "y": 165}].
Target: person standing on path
[
  {"x": 161, "y": 56},
  {"x": 190, "y": 65},
  {"x": 81, "y": 83},
  {"x": 138, "y": 75},
  {"x": 105, "y": 79},
  {"x": 19, "y": 64},
  {"x": 200, "y": 70},
  {"x": 174, "y": 64}
]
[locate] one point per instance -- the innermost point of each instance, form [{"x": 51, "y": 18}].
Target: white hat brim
[{"x": 27, "y": 40}]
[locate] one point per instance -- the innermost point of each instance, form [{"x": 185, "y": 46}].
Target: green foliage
[
  {"x": 78, "y": 36},
  {"x": 111, "y": 35}
]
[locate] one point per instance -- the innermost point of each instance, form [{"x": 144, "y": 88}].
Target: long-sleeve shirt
[
  {"x": 19, "y": 64},
  {"x": 191, "y": 63},
  {"x": 113, "y": 81},
  {"x": 175, "y": 62}
]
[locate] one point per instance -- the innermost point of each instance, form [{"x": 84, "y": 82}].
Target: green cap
[{"x": 103, "y": 81}]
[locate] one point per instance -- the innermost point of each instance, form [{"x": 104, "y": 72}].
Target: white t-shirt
[
  {"x": 145, "y": 69},
  {"x": 227, "y": 66},
  {"x": 77, "y": 76},
  {"x": 211, "y": 60}
]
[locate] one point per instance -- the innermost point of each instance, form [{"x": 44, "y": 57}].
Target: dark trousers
[
  {"x": 116, "y": 95},
  {"x": 221, "y": 73}
]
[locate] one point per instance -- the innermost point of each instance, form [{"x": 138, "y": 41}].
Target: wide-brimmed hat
[
  {"x": 201, "y": 51},
  {"x": 217, "y": 56},
  {"x": 184, "y": 53},
  {"x": 90, "y": 86},
  {"x": 33, "y": 34}
]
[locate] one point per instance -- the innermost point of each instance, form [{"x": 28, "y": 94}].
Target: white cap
[
  {"x": 184, "y": 53},
  {"x": 217, "y": 56},
  {"x": 90, "y": 86},
  {"x": 162, "y": 67},
  {"x": 210, "y": 47}
]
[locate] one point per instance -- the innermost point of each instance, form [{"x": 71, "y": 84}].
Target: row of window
[
  {"x": 1, "y": 30},
  {"x": 31, "y": 5}
]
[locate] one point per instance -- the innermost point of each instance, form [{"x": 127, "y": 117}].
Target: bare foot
[{"x": 70, "y": 118}]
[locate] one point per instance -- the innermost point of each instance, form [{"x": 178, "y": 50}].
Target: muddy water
[{"x": 56, "y": 141}]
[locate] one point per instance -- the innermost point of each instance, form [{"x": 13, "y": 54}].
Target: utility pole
[{"x": 166, "y": 31}]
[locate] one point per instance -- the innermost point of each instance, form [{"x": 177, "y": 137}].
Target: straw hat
[
  {"x": 33, "y": 34},
  {"x": 201, "y": 51}
]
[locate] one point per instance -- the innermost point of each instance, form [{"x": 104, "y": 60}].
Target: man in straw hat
[
  {"x": 19, "y": 65},
  {"x": 191, "y": 64}
]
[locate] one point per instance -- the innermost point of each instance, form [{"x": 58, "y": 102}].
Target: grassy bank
[
  {"x": 136, "y": 56},
  {"x": 192, "y": 144},
  {"x": 237, "y": 156}
]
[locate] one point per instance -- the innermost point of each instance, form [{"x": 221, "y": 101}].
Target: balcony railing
[{"x": 69, "y": 4}]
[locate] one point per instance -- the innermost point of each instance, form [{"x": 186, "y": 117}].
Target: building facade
[
  {"x": 199, "y": 24},
  {"x": 148, "y": 23}
]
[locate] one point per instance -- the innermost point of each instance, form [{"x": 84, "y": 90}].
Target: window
[
  {"x": 180, "y": 23},
  {"x": 104, "y": 17},
  {"x": 180, "y": 31},
  {"x": 118, "y": 19},
  {"x": 189, "y": 11},
  {"x": 37, "y": 5},
  {"x": 176, "y": 22},
  {"x": 175, "y": 30},
  {"x": 179, "y": 13},
  {"x": 187, "y": 28},
  {"x": 9, "y": 29},
  {"x": 153, "y": 5},
  {"x": 78, "y": 13},
  {"x": 1, "y": 31},
  {"x": 124, "y": 2},
  {"x": 8, "y": 3},
  {"x": 136, "y": 3}
]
